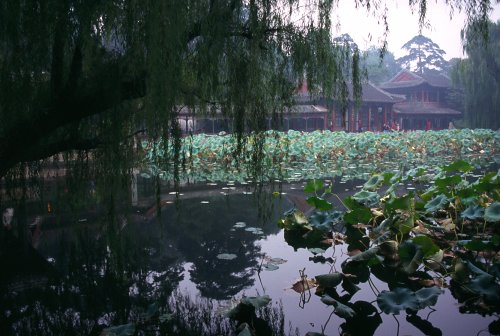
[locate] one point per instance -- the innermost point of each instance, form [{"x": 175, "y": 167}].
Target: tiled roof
[
  {"x": 405, "y": 78},
  {"x": 371, "y": 93},
  {"x": 415, "y": 109}
]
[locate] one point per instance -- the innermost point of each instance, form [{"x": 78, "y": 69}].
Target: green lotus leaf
[
  {"x": 492, "y": 213},
  {"x": 340, "y": 309},
  {"x": 486, "y": 286},
  {"x": 367, "y": 198},
  {"x": 366, "y": 255},
  {"x": 447, "y": 182},
  {"x": 120, "y": 330},
  {"x": 426, "y": 244},
  {"x": 358, "y": 213},
  {"x": 400, "y": 298},
  {"x": 316, "y": 250},
  {"x": 256, "y": 301},
  {"x": 227, "y": 256},
  {"x": 319, "y": 203},
  {"x": 437, "y": 203},
  {"x": 330, "y": 280},
  {"x": 428, "y": 296},
  {"x": 374, "y": 182},
  {"x": 313, "y": 186},
  {"x": 399, "y": 203},
  {"x": 473, "y": 212},
  {"x": 270, "y": 267},
  {"x": 459, "y": 165},
  {"x": 325, "y": 221}
]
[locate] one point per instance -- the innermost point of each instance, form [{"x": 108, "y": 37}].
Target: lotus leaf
[
  {"x": 459, "y": 165},
  {"x": 256, "y": 301},
  {"x": 330, "y": 280},
  {"x": 316, "y": 250},
  {"x": 366, "y": 255},
  {"x": 313, "y": 186},
  {"x": 492, "y": 213},
  {"x": 486, "y": 286},
  {"x": 367, "y": 198},
  {"x": 473, "y": 212},
  {"x": 437, "y": 203},
  {"x": 325, "y": 221},
  {"x": 427, "y": 245},
  {"x": 226, "y": 256},
  {"x": 446, "y": 183},
  {"x": 340, "y": 309},
  {"x": 120, "y": 330},
  {"x": 428, "y": 296},
  {"x": 400, "y": 298},
  {"x": 270, "y": 267},
  {"x": 319, "y": 203},
  {"x": 374, "y": 182}
]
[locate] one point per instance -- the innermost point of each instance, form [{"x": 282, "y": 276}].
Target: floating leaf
[
  {"x": 303, "y": 285},
  {"x": 492, "y": 213},
  {"x": 226, "y": 256},
  {"x": 400, "y": 298},
  {"x": 329, "y": 280},
  {"x": 374, "y": 182},
  {"x": 340, "y": 309},
  {"x": 366, "y": 255},
  {"x": 256, "y": 301},
  {"x": 316, "y": 250},
  {"x": 270, "y": 267},
  {"x": 428, "y": 296}
]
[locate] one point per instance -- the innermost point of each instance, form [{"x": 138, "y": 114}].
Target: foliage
[
  {"x": 422, "y": 55},
  {"x": 414, "y": 234},
  {"x": 323, "y": 154},
  {"x": 379, "y": 67},
  {"x": 478, "y": 76}
]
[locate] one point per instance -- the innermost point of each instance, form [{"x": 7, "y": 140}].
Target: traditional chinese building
[{"x": 425, "y": 105}]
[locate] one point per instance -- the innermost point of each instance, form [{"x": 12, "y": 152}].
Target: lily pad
[
  {"x": 329, "y": 280},
  {"x": 428, "y": 296},
  {"x": 227, "y": 256},
  {"x": 340, "y": 309},
  {"x": 400, "y": 298},
  {"x": 270, "y": 267}
]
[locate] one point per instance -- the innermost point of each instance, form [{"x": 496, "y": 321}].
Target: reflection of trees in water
[
  {"x": 106, "y": 280},
  {"x": 203, "y": 231}
]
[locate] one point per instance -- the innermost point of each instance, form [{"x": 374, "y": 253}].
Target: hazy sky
[{"x": 403, "y": 25}]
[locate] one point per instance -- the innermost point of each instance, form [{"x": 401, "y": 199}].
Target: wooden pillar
[
  {"x": 369, "y": 118},
  {"x": 385, "y": 114},
  {"x": 333, "y": 119}
]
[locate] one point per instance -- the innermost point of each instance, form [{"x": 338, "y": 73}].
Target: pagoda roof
[{"x": 406, "y": 79}]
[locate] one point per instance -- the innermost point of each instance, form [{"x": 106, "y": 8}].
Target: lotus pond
[{"x": 352, "y": 237}]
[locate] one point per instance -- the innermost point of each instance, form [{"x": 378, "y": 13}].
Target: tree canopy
[
  {"x": 379, "y": 68},
  {"x": 87, "y": 74},
  {"x": 422, "y": 55},
  {"x": 478, "y": 77}
]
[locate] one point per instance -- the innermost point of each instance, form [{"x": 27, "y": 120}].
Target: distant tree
[
  {"x": 478, "y": 76},
  {"x": 379, "y": 67},
  {"x": 422, "y": 54}
]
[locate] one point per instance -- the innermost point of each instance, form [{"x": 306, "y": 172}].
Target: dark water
[{"x": 94, "y": 279}]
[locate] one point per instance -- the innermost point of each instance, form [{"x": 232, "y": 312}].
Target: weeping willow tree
[
  {"x": 83, "y": 77},
  {"x": 478, "y": 76}
]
